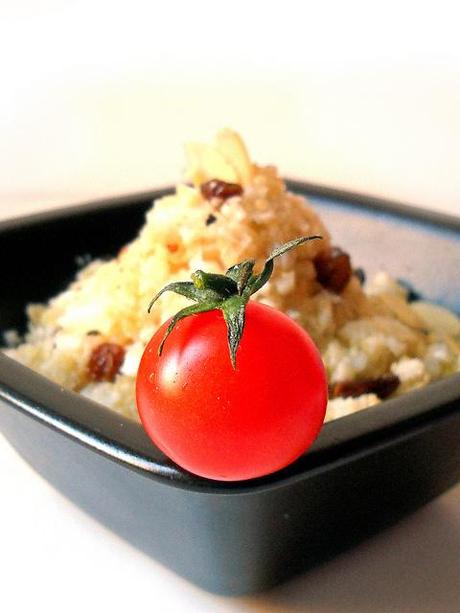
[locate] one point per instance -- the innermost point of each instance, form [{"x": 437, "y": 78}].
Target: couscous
[{"x": 374, "y": 342}]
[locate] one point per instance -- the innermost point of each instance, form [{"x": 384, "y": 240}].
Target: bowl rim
[
  {"x": 359, "y": 200},
  {"x": 124, "y": 441}
]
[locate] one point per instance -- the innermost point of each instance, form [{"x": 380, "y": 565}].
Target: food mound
[{"x": 374, "y": 343}]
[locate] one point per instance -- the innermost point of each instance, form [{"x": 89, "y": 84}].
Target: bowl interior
[
  {"x": 40, "y": 254},
  {"x": 423, "y": 254}
]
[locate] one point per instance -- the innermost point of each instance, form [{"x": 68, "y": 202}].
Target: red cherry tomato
[{"x": 232, "y": 424}]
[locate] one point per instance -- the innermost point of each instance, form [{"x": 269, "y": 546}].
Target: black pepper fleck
[
  {"x": 360, "y": 275},
  {"x": 412, "y": 294}
]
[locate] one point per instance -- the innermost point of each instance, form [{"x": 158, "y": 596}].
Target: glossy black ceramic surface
[{"x": 363, "y": 473}]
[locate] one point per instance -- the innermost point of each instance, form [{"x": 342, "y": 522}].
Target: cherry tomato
[{"x": 228, "y": 423}]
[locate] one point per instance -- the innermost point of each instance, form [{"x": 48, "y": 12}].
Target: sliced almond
[
  {"x": 204, "y": 162},
  {"x": 402, "y": 310},
  {"x": 436, "y": 318},
  {"x": 233, "y": 149}
]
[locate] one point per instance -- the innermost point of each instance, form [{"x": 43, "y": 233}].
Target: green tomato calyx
[{"x": 230, "y": 293}]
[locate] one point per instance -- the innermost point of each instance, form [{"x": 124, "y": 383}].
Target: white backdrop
[{"x": 97, "y": 98}]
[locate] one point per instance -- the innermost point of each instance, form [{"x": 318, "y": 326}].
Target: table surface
[
  {"x": 45, "y": 539},
  {"x": 84, "y": 117}
]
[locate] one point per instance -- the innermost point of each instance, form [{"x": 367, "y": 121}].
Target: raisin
[
  {"x": 210, "y": 219},
  {"x": 105, "y": 361},
  {"x": 333, "y": 269},
  {"x": 385, "y": 386},
  {"x": 220, "y": 189},
  {"x": 381, "y": 386}
]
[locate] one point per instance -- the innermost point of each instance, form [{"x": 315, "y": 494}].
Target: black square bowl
[{"x": 363, "y": 473}]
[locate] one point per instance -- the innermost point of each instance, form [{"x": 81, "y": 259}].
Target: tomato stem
[{"x": 230, "y": 293}]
